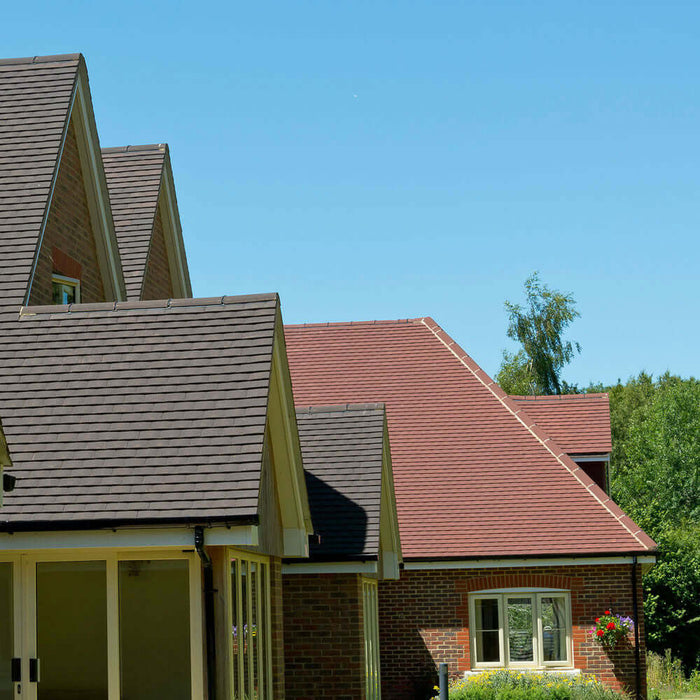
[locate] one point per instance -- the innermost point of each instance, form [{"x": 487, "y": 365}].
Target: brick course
[
  {"x": 324, "y": 636},
  {"x": 424, "y": 620},
  {"x": 157, "y": 283},
  {"x": 68, "y": 233}
]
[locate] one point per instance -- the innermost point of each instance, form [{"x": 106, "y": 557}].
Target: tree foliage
[
  {"x": 656, "y": 480},
  {"x": 538, "y": 326}
]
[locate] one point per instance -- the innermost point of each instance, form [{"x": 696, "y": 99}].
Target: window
[
  {"x": 251, "y": 653},
  {"x": 371, "y": 632},
  {"x": 66, "y": 290},
  {"x": 520, "y": 628}
]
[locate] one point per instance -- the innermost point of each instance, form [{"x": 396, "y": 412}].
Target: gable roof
[
  {"x": 343, "y": 450},
  {"x": 37, "y": 98},
  {"x": 475, "y": 478},
  {"x": 137, "y": 178},
  {"x": 137, "y": 412},
  {"x": 579, "y": 423},
  {"x": 134, "y": 175}
]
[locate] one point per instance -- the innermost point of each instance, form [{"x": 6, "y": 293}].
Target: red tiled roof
[
  {"x": 579, "y": 423},
  {"x": 473, "y": 477}
]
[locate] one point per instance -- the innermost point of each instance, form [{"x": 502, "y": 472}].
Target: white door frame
[{"x": 25, "y": 622}]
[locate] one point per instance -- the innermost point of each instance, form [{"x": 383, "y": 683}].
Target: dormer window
[{"x": 66, "y": 290}]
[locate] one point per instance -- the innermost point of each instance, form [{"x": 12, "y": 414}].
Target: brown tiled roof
[
  {"x": 473, "y": 477},
  {"x": 35, "y": 100},
  {"x": 134, "y": 175},
  {"x": 342, "y": 449},
  {"x": 136, "y": 411},
  {"x": 579, "y": 423}
]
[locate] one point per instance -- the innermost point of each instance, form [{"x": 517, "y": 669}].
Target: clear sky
[{"x": 371, "y": 159}]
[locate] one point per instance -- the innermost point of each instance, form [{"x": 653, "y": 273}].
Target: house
[
  {"x": 510, "y": 547},
  {"x": 184, "y": 525},
  {"x": 160, "y": 490}
]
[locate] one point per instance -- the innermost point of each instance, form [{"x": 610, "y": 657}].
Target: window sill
[{"x": 568, "y": 672}]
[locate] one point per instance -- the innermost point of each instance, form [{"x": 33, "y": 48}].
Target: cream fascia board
[
  {"x": 289, "y": 470},
  {"x": 331, "y": 567},
  {"x": 181, "y": 537},
  {"x": 172, "y": 230},
  {"x": 529, "y": 563},
  {"x": 96, "y": 190},
  {"x": 390, "y": 541}
]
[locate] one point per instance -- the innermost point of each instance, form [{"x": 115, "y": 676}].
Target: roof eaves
[{"x": 603, "y": 499}]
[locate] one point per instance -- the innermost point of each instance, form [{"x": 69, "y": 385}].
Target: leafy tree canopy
[
  {"x": 656, "y": 480},
  {"x": 538, "y": 326}
]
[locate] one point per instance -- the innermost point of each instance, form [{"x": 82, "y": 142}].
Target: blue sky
[{"x": 374, "y": 159}]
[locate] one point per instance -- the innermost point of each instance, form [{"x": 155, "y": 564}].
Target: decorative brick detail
[
  {"x": 424, "y": 620},
  {"x": 157, "y": 283},
  {"x": 68, "y": 230},
  {"x": 324, "y": 636}
]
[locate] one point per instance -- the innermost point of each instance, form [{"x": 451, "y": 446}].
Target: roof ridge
[
  {"x": 335, "y": 324},
  {"x": 57, "y": 58},
  {"x": 603, "y": 499},
  {"x": 559, "y": 397},
  {"x": 50, "y": 310},
  {"x": 341, "y": 408},
  {"x": 137, "y": 148}
]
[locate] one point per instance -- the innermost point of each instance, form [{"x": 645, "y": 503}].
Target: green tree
[
  {"x": 656, "y": 480},
  {"x": 538, "y": 327}
]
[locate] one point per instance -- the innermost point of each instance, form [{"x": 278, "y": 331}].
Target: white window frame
[
  {"x": 536, "y": 595},
  {"x": 264, "y": 632},
  {"x": 68, "y": 282},
  {"x": 370, "y": 611}
]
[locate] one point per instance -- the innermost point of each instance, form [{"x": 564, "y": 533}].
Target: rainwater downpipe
[
  {"x": 635, "y": 609},
  {"x": 209, "y": 621}
]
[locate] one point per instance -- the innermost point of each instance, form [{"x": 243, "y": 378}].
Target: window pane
[
  {"x": 63, "y": 293},
  {"x": 6, "y": 631},
  {"x": 487, "y": 630},
  {"x": 553, "y": 611},
  {"x": 71, "y": 608},
  {"x": 520, "y": 629},
  {"x": 154, "y": 629}
]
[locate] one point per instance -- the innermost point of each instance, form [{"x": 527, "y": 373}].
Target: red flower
[
  {"x": 600, "y": 633},
  {"x": 610, "y": 626},
  {"x": 607, "y": 612},
  {"x": 597, "y": 619}
]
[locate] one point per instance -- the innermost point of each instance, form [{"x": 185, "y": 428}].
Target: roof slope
[
  {"x": 342, "y": 449},
  {"x": 579, "y": 423},
  {"x": 134, "y": 175},
  {"x": 137, "y": 411},
  {"x": 35, "y": 101},
  {"x": 472, "y": 477}
]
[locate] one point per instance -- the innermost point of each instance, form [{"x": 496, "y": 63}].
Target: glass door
[
  {"x": 71, "y": 631},
  {"x": 9, "y": 638}
]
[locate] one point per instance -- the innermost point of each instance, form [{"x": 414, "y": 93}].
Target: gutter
[
  {"x": 635, "y": 609},
  {"x": 209, "y": 620}
]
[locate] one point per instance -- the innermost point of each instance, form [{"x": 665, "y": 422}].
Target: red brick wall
[
  {"x": 277, "y": 627},
  {"x": 69, "y": 230},
  {"x": 424, "y": 620},
  {"x": 157, "y": 283},
  {"x": 324, "y": 636}
]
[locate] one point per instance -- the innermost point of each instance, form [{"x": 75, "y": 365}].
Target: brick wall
[
  {"x": 277, "y": 627},
  {"x": 424, "y": 620},
  {"x": 68, "y": 235},
  {"x": 157, "y": 283},
  {"x": 324, "y": 636}
]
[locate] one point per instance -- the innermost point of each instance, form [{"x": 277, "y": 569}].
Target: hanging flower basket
[{"x": 611, "y": 629}]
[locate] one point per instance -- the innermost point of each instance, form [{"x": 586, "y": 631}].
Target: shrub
[{"x": 512, "y": 685}]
